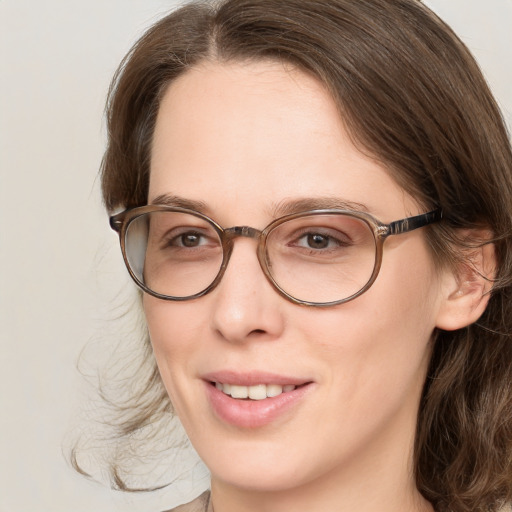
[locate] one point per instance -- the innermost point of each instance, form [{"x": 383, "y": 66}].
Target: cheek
[
  {"x": 173, "y": 330},
  {"x": 378, "y": 346},
  {"x": 408, "y": 296}
]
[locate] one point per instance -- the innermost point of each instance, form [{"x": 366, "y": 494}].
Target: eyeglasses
[{"x": 315, "y": 258}]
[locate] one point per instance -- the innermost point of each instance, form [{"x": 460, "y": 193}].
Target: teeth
[
  {"x": 239, "y": 391},
  {"x": 258, "y": 392},
  {"x": 274, "y": 390}
]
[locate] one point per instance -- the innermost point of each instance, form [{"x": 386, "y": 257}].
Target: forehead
[
  {"x": 228, "y": 108},
  {"x": 249, "y": 135}
]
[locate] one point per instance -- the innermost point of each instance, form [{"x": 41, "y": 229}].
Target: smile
[
  {"x": 250, "y": 404},
  {"x": 256, "y": 392}
]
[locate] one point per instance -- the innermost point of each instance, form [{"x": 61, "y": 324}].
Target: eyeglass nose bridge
[
  {"x": 241, "y": 231},
  {"x": 228, "y": 236}
]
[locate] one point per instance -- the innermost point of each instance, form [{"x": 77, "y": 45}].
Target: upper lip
[{"x": 252, "y": 378}]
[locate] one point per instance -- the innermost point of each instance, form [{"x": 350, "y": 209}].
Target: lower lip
[{"x": 253, "y": 413}]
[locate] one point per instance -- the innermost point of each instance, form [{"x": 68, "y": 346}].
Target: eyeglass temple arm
[
  {"x": 403, "y": 226},
  {"x": 116, "y": 221}
]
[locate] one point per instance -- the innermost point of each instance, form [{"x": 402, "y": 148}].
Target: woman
[{"x": 316, "y": 198}]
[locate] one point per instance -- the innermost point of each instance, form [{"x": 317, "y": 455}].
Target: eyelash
[
  {"x": 340, "y": 241},
  {"x": 173, "y": 239}
]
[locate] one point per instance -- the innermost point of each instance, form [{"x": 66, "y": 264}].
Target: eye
[
  {"x": 320, "y": 241},
  {"x": 315, "y": 241},
  {"x": 188, "y": 239}
]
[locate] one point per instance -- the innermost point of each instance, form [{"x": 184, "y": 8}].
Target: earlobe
[{"x": 467, "y": 289}]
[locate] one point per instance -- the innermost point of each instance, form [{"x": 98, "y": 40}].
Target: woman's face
[{"x": 246, "y": 140}]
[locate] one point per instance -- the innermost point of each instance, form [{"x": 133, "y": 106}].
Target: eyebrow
[
  {"x": 180, "y": 202},
  {"x": 280, "y": 209},
  {"x": 289, "y": 207}
]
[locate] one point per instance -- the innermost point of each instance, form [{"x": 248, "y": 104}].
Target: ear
[{"x": 467, "y": 288}]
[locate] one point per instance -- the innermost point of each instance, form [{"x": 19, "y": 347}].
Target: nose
[{"x": 245, "y": 306}]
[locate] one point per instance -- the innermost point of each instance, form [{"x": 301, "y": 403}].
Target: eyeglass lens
[{"x": 315, "y": 258}]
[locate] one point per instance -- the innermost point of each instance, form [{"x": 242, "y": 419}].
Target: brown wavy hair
[{"x": 413, "y": 97}]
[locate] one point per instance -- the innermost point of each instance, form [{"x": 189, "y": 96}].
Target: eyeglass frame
[{"x": 381, "y": 231}]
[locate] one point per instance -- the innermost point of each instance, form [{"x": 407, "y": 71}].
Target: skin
[{"x": 243, "y": 138}]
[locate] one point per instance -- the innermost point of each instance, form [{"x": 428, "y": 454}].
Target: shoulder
[{"x": 200, "y": 504}]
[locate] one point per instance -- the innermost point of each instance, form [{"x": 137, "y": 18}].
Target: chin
[{"x": 261, "y": 480}]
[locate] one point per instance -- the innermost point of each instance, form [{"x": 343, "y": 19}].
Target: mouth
[
  {"x": 255, "y": 392},
  {"x": 255, "y": 399}
]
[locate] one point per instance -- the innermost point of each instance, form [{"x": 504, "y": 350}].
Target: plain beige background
[{"x": 59, "y": 262}]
